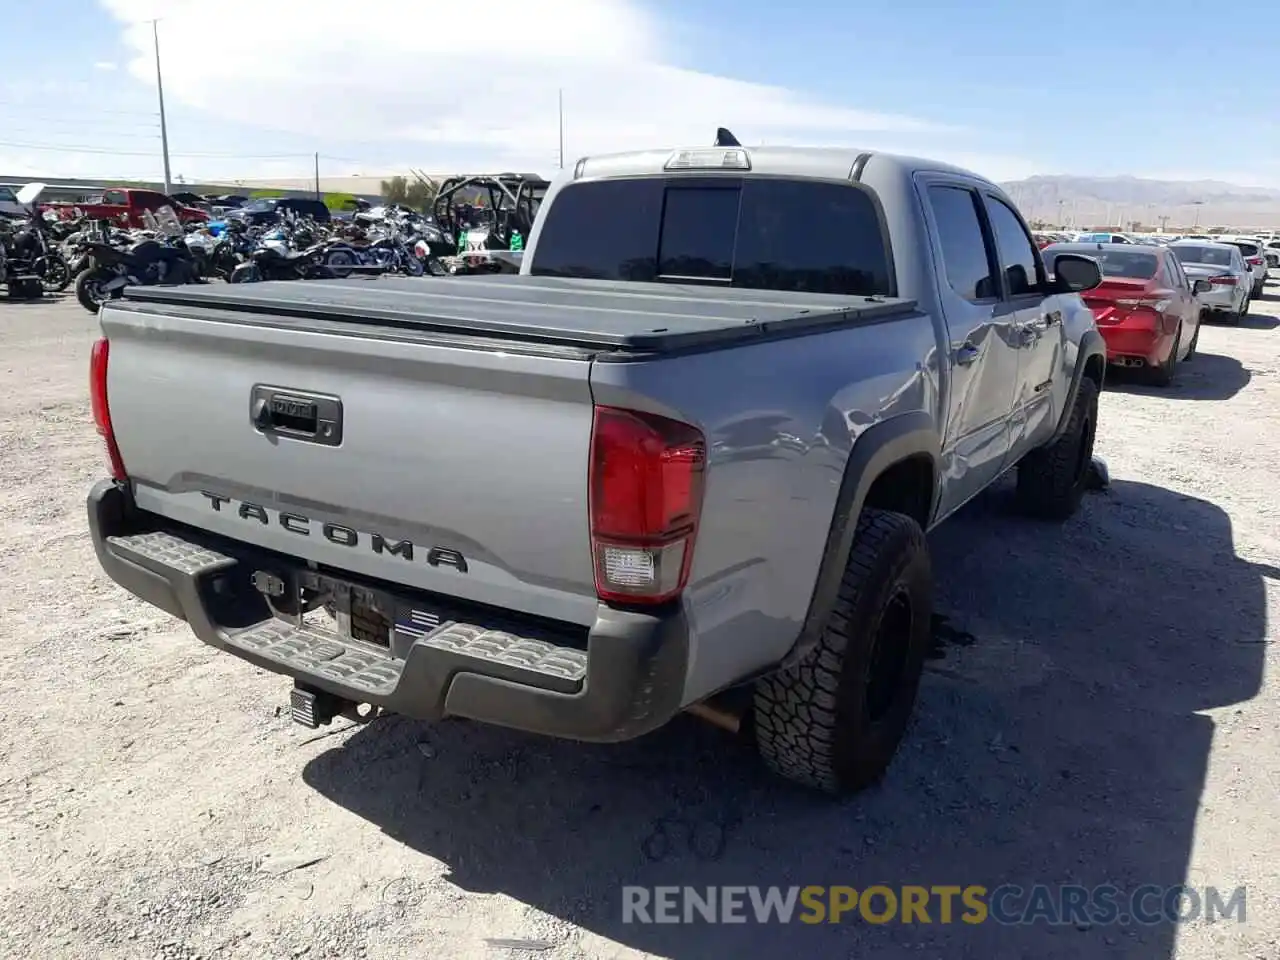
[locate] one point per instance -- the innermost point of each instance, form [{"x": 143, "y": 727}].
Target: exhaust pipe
[{"x": 716, "y": 716}]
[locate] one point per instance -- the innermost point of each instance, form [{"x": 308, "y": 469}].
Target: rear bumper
[
  {"x": 627, "y": 681},
  {"x": 1135, "y": 341},
  {"x": 1221, "y": 299}
]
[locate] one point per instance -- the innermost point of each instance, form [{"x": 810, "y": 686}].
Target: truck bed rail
[{"x": 590, "y": 314}]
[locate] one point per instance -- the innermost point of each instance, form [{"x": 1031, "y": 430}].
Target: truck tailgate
[{"x": 455, "y": 470}]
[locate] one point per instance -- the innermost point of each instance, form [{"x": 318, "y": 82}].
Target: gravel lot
[{"x": 1107, "y": 712}]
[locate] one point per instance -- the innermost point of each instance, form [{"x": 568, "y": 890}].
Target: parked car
[
  {"x": 126, "y": 207},
  {"x": 579, "y": 500},
  {"x": 9, "y": 202},
  {"x": 1230, "y": 278},
  {"x": 1251, "y": 249},
  {"x": 1271, "y": 250},
  {"x": 1146, "y": 307},
  {"x": 1104, "y": 237},
  {"x": 266, "y": 210}
]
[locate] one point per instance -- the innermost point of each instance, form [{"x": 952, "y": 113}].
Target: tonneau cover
[{"x": 594, "y": 314}]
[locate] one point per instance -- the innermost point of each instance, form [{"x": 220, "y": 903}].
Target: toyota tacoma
[{"x": 689, "y": 452}]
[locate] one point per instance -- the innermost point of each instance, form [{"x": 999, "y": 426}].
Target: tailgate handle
[{"x": 298, "y": 414}]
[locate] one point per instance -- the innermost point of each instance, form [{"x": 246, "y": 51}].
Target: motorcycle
[
  {"x": 147, "y": 263},
  {"x": 13, "y": 276},
  {"x": 274, "y": 261},
  {"x": 31, "y": 251}
]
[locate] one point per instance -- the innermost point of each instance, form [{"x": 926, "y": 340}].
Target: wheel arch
[
  {"x": 1091, "y": 362},
  {"x": 893, "y": 465}
]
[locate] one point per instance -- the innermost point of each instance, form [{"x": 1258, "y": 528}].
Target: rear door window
[
  {"x": 964, "y": 252},
  {"x": 151, "y": 201},
  {"x": 765, "y": 234}
]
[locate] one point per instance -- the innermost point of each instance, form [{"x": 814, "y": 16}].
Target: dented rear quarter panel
[{"x": 780, "y": 419}]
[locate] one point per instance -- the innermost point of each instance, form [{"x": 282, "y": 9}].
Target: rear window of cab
[{"x": 759, "y": 234}]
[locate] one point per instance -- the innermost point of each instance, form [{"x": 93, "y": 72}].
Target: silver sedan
[{"x": 1230, "y": 279}]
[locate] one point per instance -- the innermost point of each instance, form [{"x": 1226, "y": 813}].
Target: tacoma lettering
[{"x": 337, "y": 534}]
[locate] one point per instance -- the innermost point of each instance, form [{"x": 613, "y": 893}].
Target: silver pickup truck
[{"x": 689, "y": 453}]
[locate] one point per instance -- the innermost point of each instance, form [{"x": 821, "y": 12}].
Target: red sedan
[{"x": 1146, "y": 308}]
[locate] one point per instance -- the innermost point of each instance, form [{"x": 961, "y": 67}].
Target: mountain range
[{"x": 1124, "y": 201}]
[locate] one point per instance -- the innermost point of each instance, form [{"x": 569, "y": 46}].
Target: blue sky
[{"x": 1006, "y": 88}]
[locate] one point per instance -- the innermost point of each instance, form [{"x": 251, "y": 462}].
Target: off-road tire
[
  {"x": 814, "y": 722},
  {"x": 1052, "y": 479}
]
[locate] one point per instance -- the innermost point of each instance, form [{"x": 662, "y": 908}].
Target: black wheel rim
[
  {"x": 57, "y": 275},
  {"x": 1084, "y": 455},
  {"x": 889, "y": 652}
]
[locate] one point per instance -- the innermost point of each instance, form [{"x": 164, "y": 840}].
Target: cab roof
[{"x": 826, "y": 163}]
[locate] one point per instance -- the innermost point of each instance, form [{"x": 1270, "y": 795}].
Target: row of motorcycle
[{"x": 101, "y": 259}]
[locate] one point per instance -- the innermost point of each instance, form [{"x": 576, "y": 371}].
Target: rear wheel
[
  {"x": 1052, "y": 479},
  {"x": 89, "y": 288},
  {"x": 1163, "y": 374},
  {"x": 834, "y": 720},
  {"x": 339, "y": 263},
  {"x": 54, "y": 272}
]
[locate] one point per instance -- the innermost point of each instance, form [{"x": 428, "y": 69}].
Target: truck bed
[{"x": 588, "y": 314}]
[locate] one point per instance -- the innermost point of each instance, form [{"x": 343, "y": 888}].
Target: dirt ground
[{"x": 1108, "y": 711}]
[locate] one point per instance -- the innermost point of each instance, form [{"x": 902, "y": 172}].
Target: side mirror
[
  {"x": 1203, "y": 286},
  {"x": 1075, "y": 274}
]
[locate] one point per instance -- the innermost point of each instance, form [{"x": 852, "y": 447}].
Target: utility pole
[
  {"x": 164, "y": 130},
  {"x": 317, "y": 175},
  {"x": 560, "y": 99}
]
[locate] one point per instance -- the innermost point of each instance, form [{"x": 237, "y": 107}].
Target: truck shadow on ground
[
  {"x": 1061, "y": 745},
  {"x": 1261, "y": 321},
  {"x": 1209, "y": 376}
]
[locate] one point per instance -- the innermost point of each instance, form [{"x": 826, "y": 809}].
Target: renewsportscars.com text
[{"x": 1007, "y": 904}]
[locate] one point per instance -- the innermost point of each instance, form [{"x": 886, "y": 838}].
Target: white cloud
[
  {"x": 104, "y": 65},
  {"x": 398, "y": 71}
]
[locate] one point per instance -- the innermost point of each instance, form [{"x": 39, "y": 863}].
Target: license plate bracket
[{"x": 351, "y": 611}]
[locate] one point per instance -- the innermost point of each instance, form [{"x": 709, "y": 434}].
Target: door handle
[{"x": 967, "y": 353}]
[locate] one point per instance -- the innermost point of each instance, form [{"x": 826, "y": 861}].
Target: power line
[
  {"x": 63, "y": 120},
  {"x": 81, "y": 148},
  {"x": 45, "y": 103},
  {"x": 19, "y": 132}
]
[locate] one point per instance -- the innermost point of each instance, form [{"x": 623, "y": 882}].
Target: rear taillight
[
  {"x": 1223, "y": 280},
  {"x": 645, "y": 491},
  {"x": 1158, "y": 303},
  {"x": 101, "y": 411},
  {"x": 1256, "y": 261}
]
